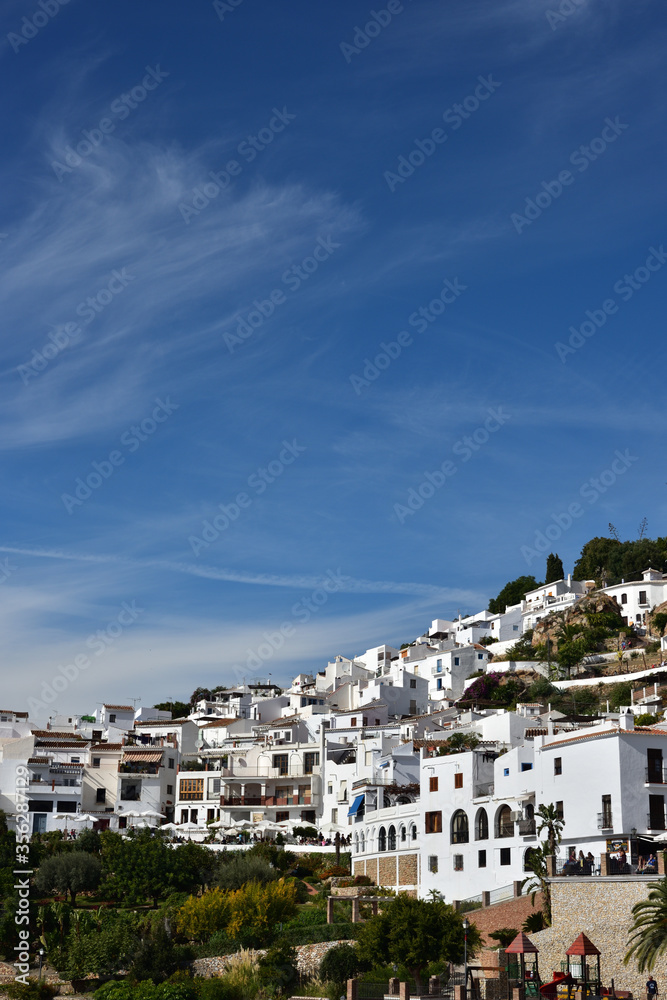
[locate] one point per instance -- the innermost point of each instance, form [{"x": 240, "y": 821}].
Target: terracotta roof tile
[{"x": 53, "y": 734}]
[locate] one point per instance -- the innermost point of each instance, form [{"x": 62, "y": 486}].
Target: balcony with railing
[
  {"x": 267, "y": 800},
  {"x": 275, "y": 773},
  {"x": 49, "y": 784},
  {"x": 605, "y": 821},
  {"x": 244, "y": 800},
  {"x": 655, "y": 776},
  {"x": 527, "y": 827}
]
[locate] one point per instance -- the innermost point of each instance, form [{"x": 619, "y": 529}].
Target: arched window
[
  {"x": 402, "y": 835},
  {"x": 459, "y": 827},
  {"x": 356, "y": 843},
  {"x": 382, "y": 839},
  {"x": 391, "y": 838},
  {"x": 361, "y": 843},
  {"x": 504, "y": 822},
  {"x": 413, "y": 832},
  {"x": 526, "y": 858},
  {"x": 481, "y": 825}
]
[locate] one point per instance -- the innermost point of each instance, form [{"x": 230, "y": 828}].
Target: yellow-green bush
[
  {"x": 201, "y": 916},
  {"x": 253, "y": 907}
]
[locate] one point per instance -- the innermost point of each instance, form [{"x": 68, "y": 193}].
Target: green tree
[
  {"x": 157, "y": 956},
  {"x": 512, "y": 593},
  {"x": 415, "y": 933},
  {"x": 139, "y": 867},
  {"x": 547, "y": 818},
  {"x": 241, "y": 868},
  {"x": 504, "y": 935},
  {"x": 178, "y": 709},
  {"x": 458, "y": 743},
  {"x": 198, "y": 694},
  {"x": 648, "y": 941},
  {"x": 609, "y": 560},
  {"x": 88, "y": 840},
  {"x": 538, "y": 880},
  {"x": 74, "y": 872},
  {"x": 340, "y": 964},
  {"x": 278, "y": 972},
  {"x": 106, "y": 949},
  {"x": 534, "y": 922},
  {"x": 659, "y": 621},
  {"x": 572, "y": 652},
  {"x": 192, "y": 867},
  {"x": 554, "y": 568}
]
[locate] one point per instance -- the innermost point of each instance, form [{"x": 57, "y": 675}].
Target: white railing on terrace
[
  {"x": 295, "y": 771},
  {"x": 502, "y": 893},
  {"x": 497, "y": 895}
]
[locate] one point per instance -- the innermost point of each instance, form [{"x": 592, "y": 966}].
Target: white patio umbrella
[
  {"x": 83, "y": 818},
  {"x": 144, "y": 813},
  {"x": 334, "y": 828},
  {"x": 218, "y": 825}
]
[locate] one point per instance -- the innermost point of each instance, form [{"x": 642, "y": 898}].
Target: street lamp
[
  {"x": 41, "y": 959},
  {"x": 466, "y": 927}
]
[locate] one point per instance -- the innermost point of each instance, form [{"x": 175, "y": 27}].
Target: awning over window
[{"x": 354, "y": 808}]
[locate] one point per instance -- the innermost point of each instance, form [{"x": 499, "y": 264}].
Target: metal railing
[
  {"x": 573, "y": 866},
  {"x": 655, "y": 776},
  {"x": 605, "y": 821},
  {"x": 501, "y": 893},
  {"x": 526, "y": 827},
  {"x": 295, "y": 771}
]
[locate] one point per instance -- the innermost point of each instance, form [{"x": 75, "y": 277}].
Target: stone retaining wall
[
  {"x": 601, "y": 908},
  {"x": 308, "y": 958}
]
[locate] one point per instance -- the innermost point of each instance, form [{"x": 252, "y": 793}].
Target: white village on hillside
[{"x": 362, "y": 753}]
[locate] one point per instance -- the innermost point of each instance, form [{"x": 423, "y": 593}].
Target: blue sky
[{"x": 232, "y": 323}]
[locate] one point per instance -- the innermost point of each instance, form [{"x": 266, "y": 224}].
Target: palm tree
[
  {"x": 647, "y": 935},
  {"x": 549, "y": 820},
  {"x": 536, "y": 862}
]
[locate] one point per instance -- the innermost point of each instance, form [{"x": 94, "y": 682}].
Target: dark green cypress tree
[{"x": 554, "y": 568}]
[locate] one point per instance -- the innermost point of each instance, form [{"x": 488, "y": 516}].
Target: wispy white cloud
[
  {"x": 119, "y": 209},
  {"x": 347, "y": 584}
]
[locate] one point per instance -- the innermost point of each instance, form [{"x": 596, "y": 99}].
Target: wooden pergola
[
  {"x": 523, "y": 971},
  {"x": 581, "y": 949}
]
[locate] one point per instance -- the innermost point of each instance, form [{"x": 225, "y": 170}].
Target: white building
[
  {"x": 556, "y": 596},
  {"x": 637, "y": 598},
  {"x": 477, "y": 808}
]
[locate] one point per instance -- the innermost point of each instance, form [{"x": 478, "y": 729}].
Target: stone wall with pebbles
[
  {"x": 601, "y": 908},
  {"x": 308, "y": 958}
]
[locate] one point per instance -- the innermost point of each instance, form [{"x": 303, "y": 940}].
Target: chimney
[
  {"x": 569, "y": 579},
  {"x": 626, "y": 721}
]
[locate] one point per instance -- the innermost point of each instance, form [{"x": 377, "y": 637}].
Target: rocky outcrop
[{"x": 595, "y": 603}]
